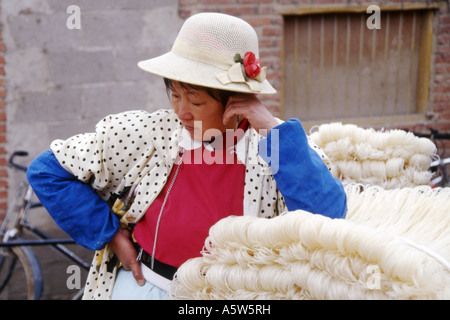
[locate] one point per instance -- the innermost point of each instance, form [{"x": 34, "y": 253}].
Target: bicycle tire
[{"x": 20, "y": 274}]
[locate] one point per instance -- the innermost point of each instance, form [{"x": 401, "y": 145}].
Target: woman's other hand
[{"x": 123, "y": 247}]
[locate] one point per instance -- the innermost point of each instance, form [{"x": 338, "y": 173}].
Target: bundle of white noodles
[
  {"x": 391, "y": 159},
  {"x": 393, "y": 244}
]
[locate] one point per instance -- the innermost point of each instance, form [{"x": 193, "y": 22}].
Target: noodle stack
[
  {"x": 391, "y": 159},
  {"x": 393, "y": 244}
]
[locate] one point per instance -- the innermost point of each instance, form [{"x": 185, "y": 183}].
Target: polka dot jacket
[{"x": 130, "y": 156}]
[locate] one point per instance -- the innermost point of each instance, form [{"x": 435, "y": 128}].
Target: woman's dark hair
[{"x": 217, "y": 94}]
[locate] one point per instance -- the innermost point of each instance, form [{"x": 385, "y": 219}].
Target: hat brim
[{"x": 178, "y": 68}]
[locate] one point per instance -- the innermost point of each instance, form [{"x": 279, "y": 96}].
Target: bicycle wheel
[{"x": 20, "y": 274}]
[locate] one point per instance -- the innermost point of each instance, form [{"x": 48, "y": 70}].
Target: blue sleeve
[
  {"x": 301, "y": 175},
  {"x": 74, "y": 205}
]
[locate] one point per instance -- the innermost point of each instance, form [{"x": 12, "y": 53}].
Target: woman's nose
[{"x": 183, "y": 111}]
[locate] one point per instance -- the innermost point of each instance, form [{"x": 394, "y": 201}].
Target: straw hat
[{"x": 214, "y": 50}]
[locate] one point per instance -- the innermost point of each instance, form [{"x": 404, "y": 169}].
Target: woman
[{"x": 145, "y": 188}]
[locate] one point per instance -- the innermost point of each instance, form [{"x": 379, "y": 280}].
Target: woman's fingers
[
  {"x": 136, "y": 270},
  {"x": 234, "y": 109},
  {"x": 248, "y": 106},
  {"x": 123, "y": 247}
]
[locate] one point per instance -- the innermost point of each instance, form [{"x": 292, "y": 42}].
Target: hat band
[
  {"x": 233, "y": 71},
  {"x": 192, "y": 52}
]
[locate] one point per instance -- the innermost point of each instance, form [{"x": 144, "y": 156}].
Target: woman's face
[{"x": 200, "y": 113}]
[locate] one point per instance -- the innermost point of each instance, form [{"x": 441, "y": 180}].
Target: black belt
[{"x": 165, "y": 270}]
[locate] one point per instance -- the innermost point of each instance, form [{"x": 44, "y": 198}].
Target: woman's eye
[{"x": 197, "y": 103}]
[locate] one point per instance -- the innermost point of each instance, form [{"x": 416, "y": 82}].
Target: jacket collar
[
  {"x": 177, "y": 137},
  {"x": 240, "y": 148}
]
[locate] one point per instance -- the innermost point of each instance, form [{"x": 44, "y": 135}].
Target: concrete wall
[
  {"x": 3, "y": 137},
  {"x": 61, "y": 81}
]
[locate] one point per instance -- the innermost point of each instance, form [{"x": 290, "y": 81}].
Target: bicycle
[
  {"x": 438, "y": 167},
  {"x": 441, "y": 178},
  {"x": 20, "y": 272}
]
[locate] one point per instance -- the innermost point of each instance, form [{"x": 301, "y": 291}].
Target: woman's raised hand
[{"x": 248, "y": 106}]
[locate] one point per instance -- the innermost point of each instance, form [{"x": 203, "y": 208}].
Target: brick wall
[
  {"x": 3, "y": 151},
  {"x": 265, "y": 18},
  {"x": 440, "y": 95}
]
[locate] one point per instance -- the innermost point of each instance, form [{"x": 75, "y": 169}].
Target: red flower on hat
[{"x": 251, "y": 65}]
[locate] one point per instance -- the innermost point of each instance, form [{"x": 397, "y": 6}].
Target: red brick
[
  {"x": 3, "y": 172},
  {"x": 445, "y": 115},
  {"x": 438, "y": 107},
  {"x": 256, "y": 1},
  {"x": 444, "y": 39},
  {"x": 442, "y": 68},
  {"x": 441, "y": 97},
  {"x": 3, "y": 206},
  {"x": 444, "y": 29},
  {"x": 272, "y": 31},
  {"x": 442, "y": 89},
  {"x": 4, "y": 184},
  {"x": 242, "y": 11},
  {"x": 445, "y": 19},
  {"x": 218, "y": 2},
  {"x": 187, "y": 2},
  {"x": 259, "y": 21}
]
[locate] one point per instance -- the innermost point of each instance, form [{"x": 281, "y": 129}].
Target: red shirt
[{"x": 209, "y": 186}]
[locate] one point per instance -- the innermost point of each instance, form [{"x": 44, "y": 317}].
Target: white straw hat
[{"x": 206, "y": 52}]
